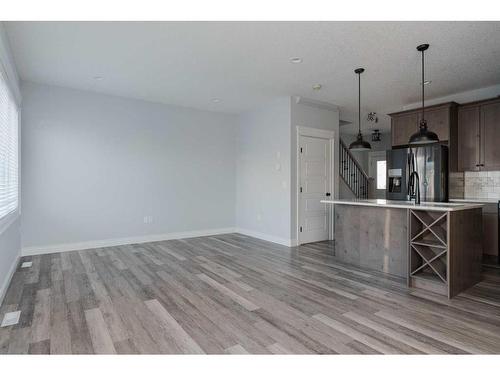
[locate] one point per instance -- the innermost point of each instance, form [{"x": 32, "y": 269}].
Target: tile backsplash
[
  {"x": 456, "y": 185},
  {"x": 481, "y": 184}
]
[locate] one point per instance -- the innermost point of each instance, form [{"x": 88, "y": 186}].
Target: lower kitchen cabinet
[{"x": 490, "y": 234}]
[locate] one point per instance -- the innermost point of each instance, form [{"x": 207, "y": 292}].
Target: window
[
  {"x": 381, "y": 169},
  {"x": 9, "y": 148}
]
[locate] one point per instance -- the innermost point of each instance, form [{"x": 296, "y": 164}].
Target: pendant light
[
  {"x": 424, "y": 135},
  {"x": 359, "y": 144}
]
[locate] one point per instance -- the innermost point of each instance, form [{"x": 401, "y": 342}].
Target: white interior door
[
  {"x": 377, "y": 170},
  {"x": 314, "y": 186}
]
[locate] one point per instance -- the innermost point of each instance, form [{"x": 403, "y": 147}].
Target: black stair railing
[{"x": 352, "y": 173}]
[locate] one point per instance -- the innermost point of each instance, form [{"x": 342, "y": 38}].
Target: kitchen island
[{"x": 434, "y": 246}]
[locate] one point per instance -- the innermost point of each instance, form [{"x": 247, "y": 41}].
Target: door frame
[{"x": 323, "y": 134}]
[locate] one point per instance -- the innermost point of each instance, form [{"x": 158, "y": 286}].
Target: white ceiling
[{"x": 247, "y": 63}]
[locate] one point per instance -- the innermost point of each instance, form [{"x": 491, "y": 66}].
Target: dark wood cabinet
[
  {"x": 490, "y": 136},
  {"x": 441, "y": 119},
  {"x": 402, "y": 127},
  {"x": 467, "y": 144},
  {"x": 478, "y": 135},
  {"x": 471, "y": 131},
  {"x": 438, "y": 120}
]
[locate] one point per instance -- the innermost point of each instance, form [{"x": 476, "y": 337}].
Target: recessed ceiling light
[
  {"x": 215, "y": 100},
  {"x": 295, "y": 60},
  {"x": 98, "y": 78},
  {"x": 317, "y": 87}
]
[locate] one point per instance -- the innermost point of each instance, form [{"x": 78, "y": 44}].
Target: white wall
[
  {"x": 10, "y": 242},
  {"x": 263, "y": 172},
  {"x": 310, "y": 116},
  {"x": 95, "y": 165}
]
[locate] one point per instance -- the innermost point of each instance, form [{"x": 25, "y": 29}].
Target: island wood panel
[
  {"x": 372, "y": 237},
  {"x": 465, "y": 249}
]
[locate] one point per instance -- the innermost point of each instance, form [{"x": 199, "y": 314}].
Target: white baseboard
[
  {"x": 8, "y": 279},
  {"x": 59, "y": 248},
  {"x": 267, "y": 237}
]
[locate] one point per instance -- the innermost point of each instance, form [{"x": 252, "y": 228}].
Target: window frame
[{"x": 7, "y": 220}]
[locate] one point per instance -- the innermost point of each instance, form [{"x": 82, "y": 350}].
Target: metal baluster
[{"x": 356, "y": 181}]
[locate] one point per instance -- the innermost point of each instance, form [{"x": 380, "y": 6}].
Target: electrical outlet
[{"x": 259, "y": 217}]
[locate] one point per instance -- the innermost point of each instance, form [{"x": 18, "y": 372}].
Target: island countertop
[{"x": 426, "y": 206}]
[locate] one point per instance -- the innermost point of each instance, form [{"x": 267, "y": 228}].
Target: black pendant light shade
[
  {"x": 359, "y": 144},
  {"x": 424, "y": 135}
]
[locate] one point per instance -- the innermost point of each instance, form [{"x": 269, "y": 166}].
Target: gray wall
[
  {"x": 263, "y": 172},
  {"x": 95, "y": 165}
]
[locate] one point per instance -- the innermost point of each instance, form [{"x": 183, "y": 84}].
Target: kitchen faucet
[{"x": 414, "y": 187}]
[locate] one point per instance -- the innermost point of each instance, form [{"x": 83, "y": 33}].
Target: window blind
[{"x": 9, "y": 150}]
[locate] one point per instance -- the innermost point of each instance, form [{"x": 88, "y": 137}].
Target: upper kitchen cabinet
[
  {"x": 466, "y": 151},
  {"x": 490, "y": 136},
  {"x": 441, "y": 119},
  {"x": 477, "y": 136},
  {"x": 402, "y": 127}
]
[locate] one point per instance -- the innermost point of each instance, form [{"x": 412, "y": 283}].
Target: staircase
[{"x": 351, "y": 172}]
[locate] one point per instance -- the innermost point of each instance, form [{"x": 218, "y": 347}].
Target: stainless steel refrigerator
[{"x": 431, "y": 164}]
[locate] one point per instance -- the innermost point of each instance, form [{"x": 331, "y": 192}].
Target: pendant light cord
[
  {"x": 423, "y": 89},
  {"x": 359, "y": 103}
]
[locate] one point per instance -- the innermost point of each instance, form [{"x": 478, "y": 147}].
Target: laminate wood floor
[{"x": 235, "y": 294}]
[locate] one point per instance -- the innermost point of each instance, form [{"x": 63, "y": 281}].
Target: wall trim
[
  {"x": 266, "y": 237},
  {"x": 87, "y": 245},
  {"x": 8, "y": 279}
]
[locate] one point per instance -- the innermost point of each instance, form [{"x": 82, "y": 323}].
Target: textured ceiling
[{"x": 247, "y": 63}]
